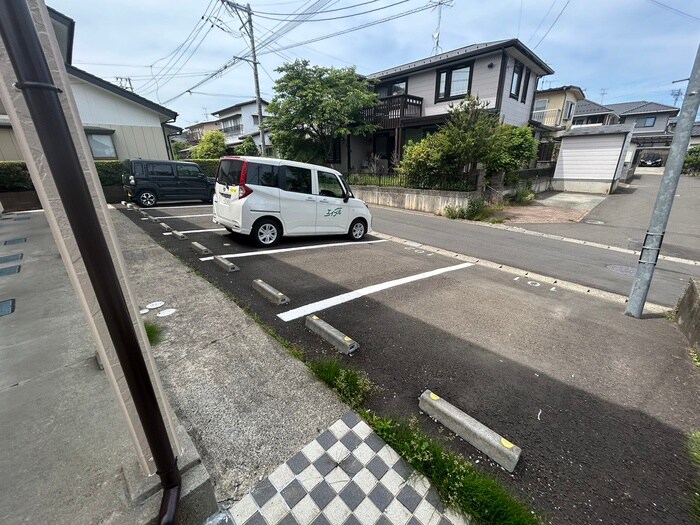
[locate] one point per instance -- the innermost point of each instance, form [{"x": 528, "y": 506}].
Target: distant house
[
  {"x": 118, "y": 123},
  {"x": 694, "y": 133},
  {"x": 240, "y": 121},
  {"x": 415, "y": 97},
  {"x": 195, "y": 132},
  {"x": 588, "y": 113},
  {"x": 555, "y": 107}
]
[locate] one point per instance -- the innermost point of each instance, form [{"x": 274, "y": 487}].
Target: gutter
[{"x": 41, "y": 96}]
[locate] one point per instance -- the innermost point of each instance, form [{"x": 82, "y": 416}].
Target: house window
[
  {"x": 454, "y": 82},
  {"x": 335, "y": 152},
  {"x": 517, "y": 80},
  {"x": 646, "y": 122},
  {"x": 569, "y": 109},
  {"x": 255, "y": 119},
  {"x": 540, "y": 104},
  {"x": 578, "y": 121},
  {"x": 232, "y": 125},
  {"x": 391, "y": 89},
  {"x": 102, "y": 146},
  {"x": 526, "y": 86}
]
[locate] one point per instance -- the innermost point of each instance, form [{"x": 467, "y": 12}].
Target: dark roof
[
  {"x": 599, "y": 130},
  {"x": 456, "y": 55},
  {"x": 133, "y": 97},
  {"x": 695, "y": 132},
  {"x": 561, "y": 88},
  {"x": 239, "y": 105},
  {"x": 588, "y": 107},
  {"x": 640, "y": 107}
]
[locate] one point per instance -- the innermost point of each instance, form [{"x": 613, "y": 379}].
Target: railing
[
  {"x": 237, "y": 129},
  {"x": 391, "y": 110},
  {"x": 548, "y": 117}
]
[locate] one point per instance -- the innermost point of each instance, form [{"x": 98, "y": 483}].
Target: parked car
[
  {"x": 268, "y": 198},
  {"x": 651, "y": 161},
  {"x": 150, "y": 181}
]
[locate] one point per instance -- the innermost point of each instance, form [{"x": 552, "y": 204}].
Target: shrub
[
  {"x": 208, "y": 166},
  {"x": 522, "y": 196},
  {"x": 14, "y": 175},
  {"x": 691, "y": 165},
  {"x": 352, "y": 386},
  {"x": 511, "y": 148},
  {"x": 212, "y": 146},
  {"x": 110, "y": 172},
  {"x": 477, "y": 209},
  {"x": 248, "y": 148}
]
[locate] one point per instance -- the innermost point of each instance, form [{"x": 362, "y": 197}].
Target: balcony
[
  {"x": 548, "y": 117},
  {"x": 392, "y": 110},
  {"x": 233, "y": 130}
]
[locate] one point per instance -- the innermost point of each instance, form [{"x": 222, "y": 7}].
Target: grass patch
[
  {"x": 476, "y": 210},
  {"x": 352, "y": 386},
  {"x": 694, "y": 357},
  {"x": 672, "y": 315},
  {"x": 694, "y": 453},
  {"x": 522, "y": 197},
  {"x": 154, "y": 333},
  {"x": 459, "y": 484}
]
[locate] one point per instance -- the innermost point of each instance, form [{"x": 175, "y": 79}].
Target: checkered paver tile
[{"x": 346, "y": 476}]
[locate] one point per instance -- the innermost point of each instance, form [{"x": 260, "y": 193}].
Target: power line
[
  {"x": 316, "y": 12},
  {"x": 336, "y": 17},
  {"x": 674, "y": 10},
  {"x": 555, "y": 21},
  {"x": 542, "y": 21}
]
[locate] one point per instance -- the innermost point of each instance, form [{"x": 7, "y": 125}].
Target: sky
[{"x": 616, "y": 50}]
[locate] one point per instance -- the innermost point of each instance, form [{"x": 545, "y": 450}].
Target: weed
[
  {"x": 672, "y": 315},
  {"x": 352, "y": 386},
  {"x": 476, "y": 210},
  {"x": 693, "y": 447},
  {"x": 522, "y": 197},
  {"x": 497, "y": 220},
  {"x": 154, "y": 332},
  {"x": 459, "y": 484},
  {"x": 694, "y": 356}
]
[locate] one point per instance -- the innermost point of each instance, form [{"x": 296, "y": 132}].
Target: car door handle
[
  {"x": 323, "y": 200},
  {"x": 310, "y": 198}
]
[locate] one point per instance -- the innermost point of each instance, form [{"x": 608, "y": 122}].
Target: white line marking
[
  {"x": 23, "y": 211},
  {"x": 344, "y": 298},
  {"x": 164, "y": 217},
  {"x": 198, "y": 231},
  {"x": 178, "y": 207},
  {"x": 298, "y": 248}
]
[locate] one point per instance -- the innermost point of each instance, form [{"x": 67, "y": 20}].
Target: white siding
[
  {"x": 514, "y": 111},
  {"x": 98, "y": 107},
  {"x": 589, "y": 157},
  {"x": 9, "y": 149},
  {"x": 484, "y": 85}
]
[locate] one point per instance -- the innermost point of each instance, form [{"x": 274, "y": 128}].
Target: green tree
[
  {"x": 692, "y": 161},
  {"x": 177, "y": 148},
  {"x": 212, "y": 146},
  {"x": 248, "y": 148},
  {"x": 511, "y": 148},
  {"x": 315, "y": 105}
]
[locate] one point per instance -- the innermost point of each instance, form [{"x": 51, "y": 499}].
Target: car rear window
[
  {"x": 261, "y": 174},
  {"x": 229, "y": 172}
]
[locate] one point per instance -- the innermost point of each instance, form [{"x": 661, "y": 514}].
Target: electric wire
[
  {"x": 337, "y": 17},
  {"x": 542, "y": 21},
  {"x": 674, "y": 10},
  {"x": 553, "y": 23},
  {"x": 316, "y": 12}
]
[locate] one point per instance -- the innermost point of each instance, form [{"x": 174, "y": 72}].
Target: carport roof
[{"x": 600, "y": 130}]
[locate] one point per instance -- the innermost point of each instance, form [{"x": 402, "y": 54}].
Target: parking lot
[{"x": 598, "y": 402}]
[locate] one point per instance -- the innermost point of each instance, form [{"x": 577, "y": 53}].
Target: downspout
[{"x": 41, "y": 95}]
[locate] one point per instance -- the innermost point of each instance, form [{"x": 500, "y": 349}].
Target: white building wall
[
  {"x": 98, "y": 107},
  {"x": 514, "y": 111},
  {"x": 589, "y": 157}
]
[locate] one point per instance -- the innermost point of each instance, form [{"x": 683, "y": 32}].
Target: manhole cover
[
  {"x": 10, "y": 270},
  {"x": 155, "y": 304},
  {"x": 16, "y": 241},
  {"x": 622, "y": 270},
  {"x": 7, "y": 307},
  {"x": 166, "y": 312},
  {"x": 594, "y": 222},
  {"x": 10, "y": 258}
]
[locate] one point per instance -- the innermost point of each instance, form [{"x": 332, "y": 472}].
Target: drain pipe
[{"x": 41, "y": 95}]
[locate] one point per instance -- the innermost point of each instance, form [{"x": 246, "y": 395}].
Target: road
[{"x": 600, "y": 268}]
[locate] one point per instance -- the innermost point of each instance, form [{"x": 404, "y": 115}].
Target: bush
[
  {"x": 208, "y": 166},
  {"x": 691, "y": 165},
  {"x": 476, "y": 210},
  {"x": 110, "y": 172},
  {"x": 522, "y": 197},
  {"x": 428, "y": 162},
  {"x": 511, "y": 148},
  {"x": 248, "y": 148},
  {"x": 14, "y": 175}
]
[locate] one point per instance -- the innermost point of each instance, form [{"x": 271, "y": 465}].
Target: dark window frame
[
  {"x": 391, "y": 84},
  {"x": 111, "y": 138},
  {"x": 336, "y": 151},
  {"x": 518, "y": 66},
  {"x": 448, "y": 81},
  {"x": 526, "y": 86},
  {"x": 646, "y": 119}
]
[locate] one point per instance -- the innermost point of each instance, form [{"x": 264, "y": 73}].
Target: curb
[
  {"x": 226, "y": 264},
  {"x": 268, "y": 292},
  {"x": 200, "y": 248},
  {"x": 179, "y": 235},
  {"x": 475, "y": 433},
  {"x": 340, "y": 341}
]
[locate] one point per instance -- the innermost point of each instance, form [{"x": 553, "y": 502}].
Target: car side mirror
[{"x": 346, "y": 198}]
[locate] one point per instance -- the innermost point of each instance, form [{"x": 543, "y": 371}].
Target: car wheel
[
  {"x": 230, "y": 230},
  {"x": 147, "y": 198},
  {"x": 266, "y": 232},
  {"x": 357, "y": 230}
]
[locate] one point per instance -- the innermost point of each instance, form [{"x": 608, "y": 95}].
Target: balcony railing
[
  {"x": 234, "y": 130},
  {"x": 391, "y": 110},
  {"x": 548, "y": 117}
]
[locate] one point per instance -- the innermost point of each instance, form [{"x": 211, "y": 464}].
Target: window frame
[
  {"x": 519, "y": 67},
  {"x": 89, "y": 135},
  {"x": 646, "y": 119},
  {"x": 526, "y": 86},
  {"x": 330, "y": 174},
  {"x": 569, "y": 112},
  {"x": 390, "y": 85},
  {"x": 546, "y": 103},
  {"x": 448, "y": 81}
]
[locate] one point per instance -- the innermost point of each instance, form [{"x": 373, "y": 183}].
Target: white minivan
[{"x": 268, "y": 198}]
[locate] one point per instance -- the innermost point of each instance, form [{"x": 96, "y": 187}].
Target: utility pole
[
  {"x": 257, "y": 80},
  {"x": 664, "y": 201}
]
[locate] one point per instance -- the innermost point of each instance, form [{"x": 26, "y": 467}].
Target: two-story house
[
  {"x": 555, "y": 107},
  {"x": 195, "y": 132},
  {"x": 240, "y": 121},
  {"x": 589, "y": 113},
  {"x": 415, "y": 97}
]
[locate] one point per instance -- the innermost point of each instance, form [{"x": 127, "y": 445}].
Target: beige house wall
[{"x": 9, "y": 150}]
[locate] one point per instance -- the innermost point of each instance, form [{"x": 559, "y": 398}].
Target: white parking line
[
  {"x": 177, "y": 207},
  {"x": 184, "y": 216},
  {"x": 296, "y": 249},
  {"x": 198, "y": 231},
  {"x": 349, "y": 296}
]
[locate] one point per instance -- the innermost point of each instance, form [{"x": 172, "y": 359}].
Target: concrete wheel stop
[
  {"x": 498, "y": 448},
  {"x": 165, "y": 227},
  {"x": 178, "y": 235},
  {"x": 225, "y": 264},
  {"x": 200, "y": 248},
  {"x": 270, "y": 293},
  {"x": 197, "y": 500},
  {"x": 340, "y": 341}
]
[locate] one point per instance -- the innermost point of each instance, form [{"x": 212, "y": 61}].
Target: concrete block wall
[
  {"x": 429, "y": 201},
  {"x": 689, "y": 313}
]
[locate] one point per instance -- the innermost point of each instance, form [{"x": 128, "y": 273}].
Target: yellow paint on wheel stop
[
  {"x": 434, "y": 396},
  {"x": 506, "y": 443},
  {"x": 347, "y": 338}
]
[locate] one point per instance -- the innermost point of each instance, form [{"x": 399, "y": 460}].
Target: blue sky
[{"x": 632, "y": 49}]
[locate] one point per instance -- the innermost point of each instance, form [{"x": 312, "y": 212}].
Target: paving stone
[
  {"x": 256, "y": 519},
  {"x": 263, "y": 491},
  {"x": 350, "y": 440},
  {"x": 381, "y": 497},
  {"x": 377, "y": 467},
  {"x": 409, "y": 497},
  {"x": 322, "y": 495},
  {"x": 351, "y": 465},
  {"x": 325, "y": 464},
  {"x": 298, "y": 462},
  {"x": 352, "y": 495},
  {"x": 351, "y": 419},
  {"x": 375, "y": 442},
  {"x": 293, "y": 493},
  {"x": 326, "y": 439}
]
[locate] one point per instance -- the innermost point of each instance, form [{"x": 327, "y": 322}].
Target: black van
[{"x": 149, "y": 181}]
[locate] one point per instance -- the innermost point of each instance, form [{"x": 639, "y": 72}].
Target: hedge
[
  {"x": 15, "y": 177},
  {"x": 208, "y": 165}
]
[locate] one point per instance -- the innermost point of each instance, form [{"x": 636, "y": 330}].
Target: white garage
[{"x": 592, "y": 158}]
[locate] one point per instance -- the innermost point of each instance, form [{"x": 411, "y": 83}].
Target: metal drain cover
[
  {"x": 15, "y": 241},
  {"x": 7, "y": 307},
  {"x": 622, "y": 270},
  {"x": 10, "y": 258},
  {"x": 10, "y": 270}
]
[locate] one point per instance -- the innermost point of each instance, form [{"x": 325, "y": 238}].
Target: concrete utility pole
[
  {"x": 248, "y": 26},
  {"x": 664, "y": 201}
]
